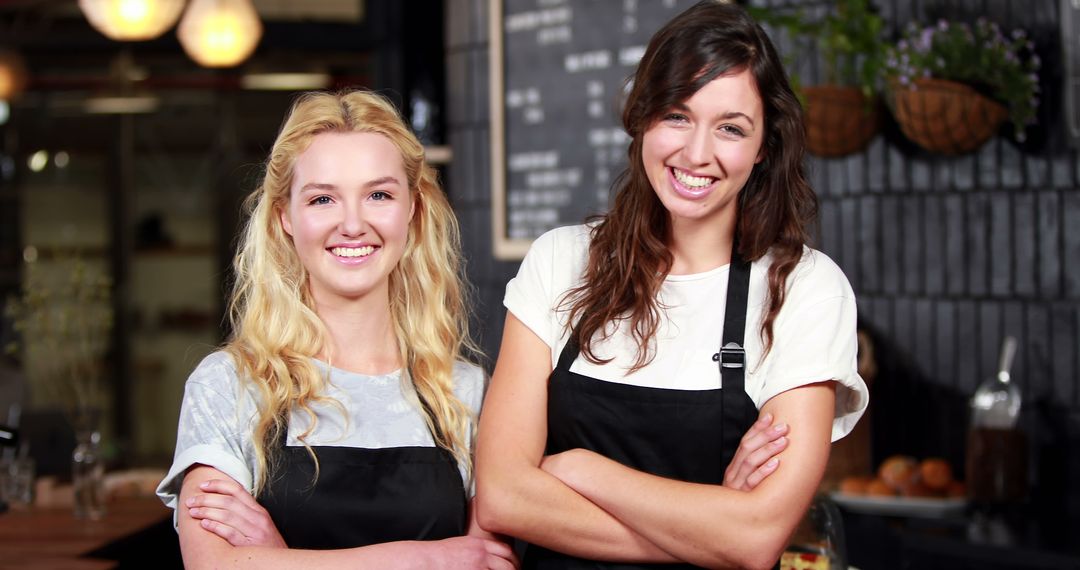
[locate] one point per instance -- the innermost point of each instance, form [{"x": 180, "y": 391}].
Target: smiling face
[
  {"x": 348, "y": 214},
  {"x": 700, "y": 153}
]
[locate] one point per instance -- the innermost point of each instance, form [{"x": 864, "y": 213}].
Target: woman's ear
[{"x": 286, "y": 222}]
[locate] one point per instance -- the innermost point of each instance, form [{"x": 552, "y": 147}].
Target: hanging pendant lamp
[
  {"x": 220, "y": 33},
  {"x": 13, "y": 75},
  {"x": 132, "y": 20}
]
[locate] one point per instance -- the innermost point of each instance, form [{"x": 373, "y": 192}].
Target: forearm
[
  {"x": 405, "y": 554},
  {"x": 534, "y": 506},
  {"x": 705, "y": 525}
]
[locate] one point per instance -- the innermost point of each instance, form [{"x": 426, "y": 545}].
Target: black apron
[
  {"x": 689, "y": 435},
  {"x": 364, "y": 496}
]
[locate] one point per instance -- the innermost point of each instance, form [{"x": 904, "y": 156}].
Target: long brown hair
[{"x": 628, "y": 252}]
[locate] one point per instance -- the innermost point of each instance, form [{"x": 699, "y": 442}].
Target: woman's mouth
[
  {"x": 690, "y": 186},
  {"x": 350, "y": 255}
]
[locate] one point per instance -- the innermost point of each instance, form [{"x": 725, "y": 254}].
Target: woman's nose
[
  {"x": 352, "y": 220},
  {"x": 698, "y": 149}
]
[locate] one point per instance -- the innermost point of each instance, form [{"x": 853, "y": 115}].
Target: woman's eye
[
  {"x": 675, "y": 117},
  {"x": 732, "y": 130},
  {"x": 320, "y": 200},
  {"x": 380, "y": 195}
]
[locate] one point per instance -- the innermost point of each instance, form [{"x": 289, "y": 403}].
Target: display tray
[{"x": 900, "y": 506}]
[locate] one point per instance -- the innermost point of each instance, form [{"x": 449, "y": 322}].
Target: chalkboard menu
[{"x": 558, "y": 74}]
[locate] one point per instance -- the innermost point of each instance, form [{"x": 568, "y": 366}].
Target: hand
[
  {"x": 229, "y": 511},
  {"x": 471, "y": 553},
  {"x": 756, "y": 457}
]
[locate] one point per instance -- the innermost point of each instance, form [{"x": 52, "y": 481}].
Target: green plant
[
  {"x": 64, "y": 322},
  {"x": 1003, "y": 68},
  {"x": 849, "y": 36}
]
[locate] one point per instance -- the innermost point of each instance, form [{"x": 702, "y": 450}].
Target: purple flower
[
  {"x": 1018, "y": 34},
  {"x": 904, "y": 80},
  {"x": 943, "y": 25},
  {"x": 925, "y": 40}
]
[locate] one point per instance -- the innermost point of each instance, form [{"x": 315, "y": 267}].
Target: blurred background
[{"x": 123, "y": 164}]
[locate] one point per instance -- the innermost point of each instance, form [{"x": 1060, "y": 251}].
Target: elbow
[
  {"x": 761, "y": 551},
  {"x": 764, "y": 559},
  {"x": 493, "y": 511}
]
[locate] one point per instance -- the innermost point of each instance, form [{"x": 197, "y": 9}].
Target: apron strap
[
  {"x": 436, "y": 432},
  {"x": 732, "y": 358}
]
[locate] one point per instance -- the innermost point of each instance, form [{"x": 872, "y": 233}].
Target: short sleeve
[
  {"x": 469, "y": 385},
  {"x": 815, "y": 340},
  {"x": 529, "y": 295},
  {"x": 552, "y": 266},
  {"x": 214, "y": 427}
]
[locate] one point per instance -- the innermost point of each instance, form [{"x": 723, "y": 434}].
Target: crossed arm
[
  {"x": 222, "y": 526},
  {"x": 583, "y": 504}
]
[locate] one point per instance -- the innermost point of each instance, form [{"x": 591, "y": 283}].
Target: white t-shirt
[
  {"x": 218, "y": 415},
  {"x": 814, "y": 333}
]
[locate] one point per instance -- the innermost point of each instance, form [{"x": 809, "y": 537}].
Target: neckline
[
  {"x": 698, "y": 276},
  {"x": 323, "y": 365}
]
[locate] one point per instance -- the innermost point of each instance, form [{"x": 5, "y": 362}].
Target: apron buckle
[{"x": 732, "y": 355}]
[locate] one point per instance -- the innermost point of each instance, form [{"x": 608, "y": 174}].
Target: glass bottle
[
  {"x": 88, "y": 475},
  {"x": 996, "y": 448},
  {"x": 818, "y": 542}
]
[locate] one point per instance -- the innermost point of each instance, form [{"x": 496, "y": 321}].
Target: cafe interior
[{"x": 130, "y": 135}]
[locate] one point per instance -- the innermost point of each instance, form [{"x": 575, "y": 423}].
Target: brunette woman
[{"x": 639, "y": 348}]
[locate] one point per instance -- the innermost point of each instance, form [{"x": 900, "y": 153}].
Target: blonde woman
[{"x": 338, "y": 418}]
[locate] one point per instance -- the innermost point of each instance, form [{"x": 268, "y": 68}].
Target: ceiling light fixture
[
  {"x": 219, "y": 33},
  {"x": 285, "y": 81},
  {"x": 132, "y": 20},
  {"x": 13, "y": 75},
  {"x": 121, "y": 104}
]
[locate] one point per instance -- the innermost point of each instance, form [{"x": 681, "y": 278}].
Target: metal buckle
[{"x": 732, "y": 356}]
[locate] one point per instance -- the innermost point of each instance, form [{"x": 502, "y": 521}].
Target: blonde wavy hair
[{"x": 276, "y": 331}]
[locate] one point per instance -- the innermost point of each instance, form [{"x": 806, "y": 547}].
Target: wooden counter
[{"x": 53, "y": 539}]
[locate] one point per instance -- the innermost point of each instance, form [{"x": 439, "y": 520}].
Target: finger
[
  {"x": 230, "y": 488},
  {"x": 224, "y": 503},
  {"x": 762, "y": 472},
  {"x": 755, "y": 440},
  {"x": 230, "y": 534},
  {"x": 500, "y": 563},
  {"x": 754, "y": 456},
  {"x": 498, "y": 548},
  {"x": 227, "y": 503},
  {"x": 223, "y": 516},
  {"x": 756, "y": 460}
]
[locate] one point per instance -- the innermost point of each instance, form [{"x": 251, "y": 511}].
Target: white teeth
[
  {"x": 352, "y": 251},
  {"x": 692, "y": 181}
]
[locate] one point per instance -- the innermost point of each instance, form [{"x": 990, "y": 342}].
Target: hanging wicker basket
[
  {"x": 945, "y": 116},
  {"x": 839, "y": 120}
]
